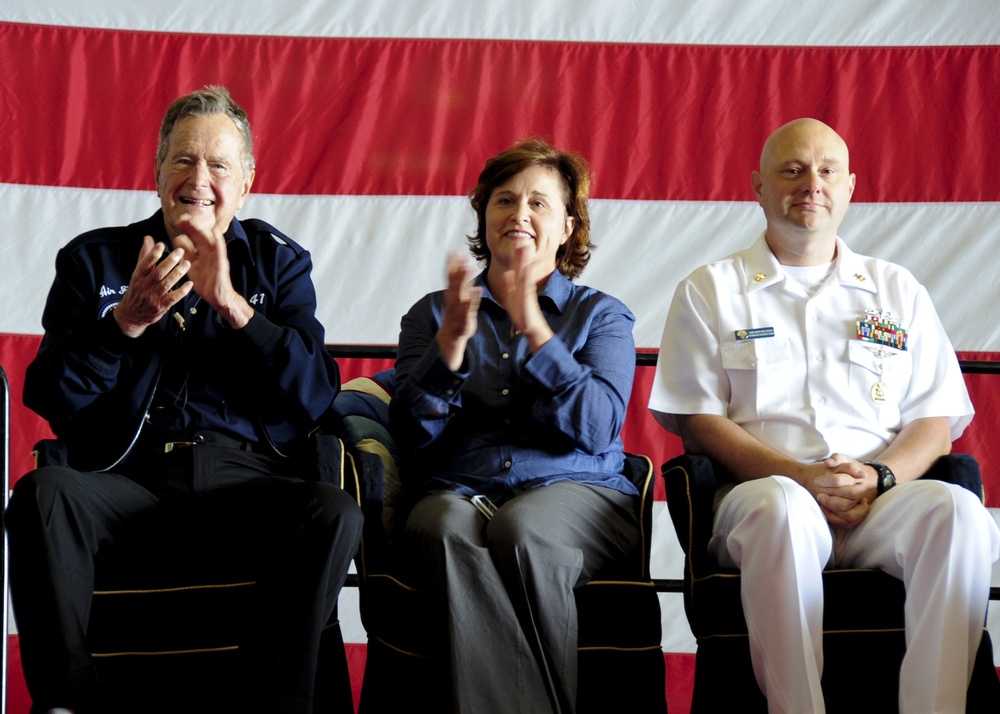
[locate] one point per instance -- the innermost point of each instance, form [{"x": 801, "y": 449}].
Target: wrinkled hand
[
  {"x": 151, "y": 292},
  {"x": 204, "y": 244},
  {"x": 520, "y": 287},
  {"x": 461, "y": 310},
  {"x": 844, "y": 490}
]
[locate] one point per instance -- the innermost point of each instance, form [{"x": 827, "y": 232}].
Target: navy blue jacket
[{"x": 269, "y": 382}]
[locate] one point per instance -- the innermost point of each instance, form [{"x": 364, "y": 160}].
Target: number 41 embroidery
[{"x": 257, "y": 299}]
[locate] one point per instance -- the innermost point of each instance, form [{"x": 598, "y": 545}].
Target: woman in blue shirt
[{"x": 513, "y": 385}]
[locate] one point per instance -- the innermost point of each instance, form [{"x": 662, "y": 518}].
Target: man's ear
[
  {"x": 756, "y": 182},
  {"x": 246, "y": 188}
]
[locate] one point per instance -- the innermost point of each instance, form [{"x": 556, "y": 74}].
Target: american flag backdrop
[{"x": 373, "y": 118}]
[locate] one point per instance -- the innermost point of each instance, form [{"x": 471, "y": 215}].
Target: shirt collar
[
  {"x": 235, "y": 235},
  {"x": 763, "y": 269},
  {"x": 554, "y": 295},
  {"x": 852, "y": 271}
]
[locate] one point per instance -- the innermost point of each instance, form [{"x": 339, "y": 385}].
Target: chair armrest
[
  {"x": 959, "y": 469},
  {"x": 639, "y": 470},
  {"x": 50, "y": 452},
  {"x": 690, "y": 481}
]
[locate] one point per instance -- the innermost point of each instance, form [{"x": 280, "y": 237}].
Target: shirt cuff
[
  {"x": 433, "y": 375},
  {"x": 111, "y": 339},
  {"x": 262, "y": 333},
  {"x": 553, "y": 365}
]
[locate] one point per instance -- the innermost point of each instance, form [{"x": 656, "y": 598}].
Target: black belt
[{"x": 206, "y": 438}]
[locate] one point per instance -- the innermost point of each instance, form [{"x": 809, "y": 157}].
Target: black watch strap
[{"x": 886, "y": 478}]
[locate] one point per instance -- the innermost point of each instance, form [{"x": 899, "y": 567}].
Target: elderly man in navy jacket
[{"x": 184, "y": 369}]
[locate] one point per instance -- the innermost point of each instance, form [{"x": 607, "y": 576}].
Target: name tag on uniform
[{"x": 754, "y": 333}]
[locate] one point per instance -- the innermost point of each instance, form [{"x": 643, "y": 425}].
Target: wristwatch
[{"x": 886, "y": 478}]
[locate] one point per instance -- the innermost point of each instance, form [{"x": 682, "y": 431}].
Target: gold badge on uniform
[{"x": 879, "y": 393}]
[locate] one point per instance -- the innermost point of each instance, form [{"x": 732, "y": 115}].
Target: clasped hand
[{"x": 844, "y": 489}]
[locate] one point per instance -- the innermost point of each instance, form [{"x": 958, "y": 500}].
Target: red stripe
[
  {"x": 417, "y": 117},
  {"x": 25, "y": 428}
]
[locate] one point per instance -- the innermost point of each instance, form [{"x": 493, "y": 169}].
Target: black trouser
[{"x": 301, "y": 534}]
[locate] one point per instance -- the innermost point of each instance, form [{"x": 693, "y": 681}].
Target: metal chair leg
[{"x": 5, "y": 438}]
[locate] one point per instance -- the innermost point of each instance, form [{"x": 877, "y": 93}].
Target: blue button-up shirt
[{"x": 511, "y": 420}]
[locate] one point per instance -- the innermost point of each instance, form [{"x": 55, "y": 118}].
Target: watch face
[{"x": 886, "y": 479}]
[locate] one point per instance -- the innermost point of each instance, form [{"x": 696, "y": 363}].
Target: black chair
[
  {"x": 5, "y": 439},
  {"x": 621, "y": 664},
  {"x": 860, "y": 644},
  {"x": 166, "y": 621}
]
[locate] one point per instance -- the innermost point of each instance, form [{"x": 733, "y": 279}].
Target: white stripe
[
  {"x": 667, "y": 561},
  {"x": 716, "y": 22},
  {"x": 375, "y": 256}
]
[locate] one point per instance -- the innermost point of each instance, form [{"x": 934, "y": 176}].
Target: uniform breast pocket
[
  {"x": 759, "y": 374},
  {"x": 879, "y": 377}
]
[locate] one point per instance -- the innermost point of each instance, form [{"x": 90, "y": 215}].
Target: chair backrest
[{"x": 361, "y": 411}]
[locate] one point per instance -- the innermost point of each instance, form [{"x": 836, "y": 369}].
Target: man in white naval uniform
[{"x": 822, "y": 380}]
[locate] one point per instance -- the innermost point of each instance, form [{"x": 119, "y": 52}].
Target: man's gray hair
[{"x": 213, "y": 99}]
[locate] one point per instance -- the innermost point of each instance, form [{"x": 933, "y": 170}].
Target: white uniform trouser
[{"x": 936, "y": 537}]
